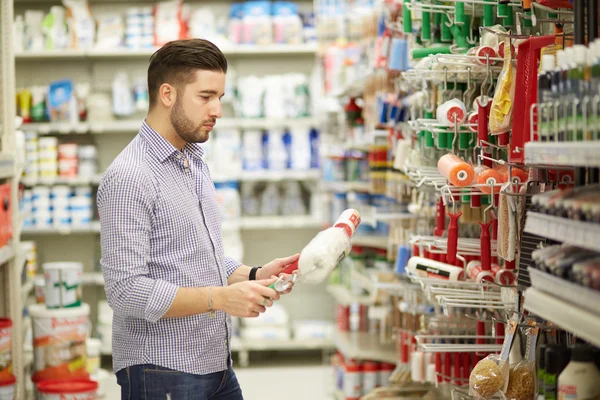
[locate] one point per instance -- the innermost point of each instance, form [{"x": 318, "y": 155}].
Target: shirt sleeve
[
  {"x": 231, "y": 265},
  {"x": 125, "y": 208}
]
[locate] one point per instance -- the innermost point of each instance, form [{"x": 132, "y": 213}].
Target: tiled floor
[{"x": 275, "y": 378}]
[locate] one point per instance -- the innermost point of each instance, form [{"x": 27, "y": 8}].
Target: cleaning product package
[
  {"x": 81, "y": 24},
  {"x": 502, "y": 102},
  {"x": 60, "y": 96},
  {"x": 257, "y": 23},
  {"x": 252, "y": 150},
  {"x": 287, "y": 24}
]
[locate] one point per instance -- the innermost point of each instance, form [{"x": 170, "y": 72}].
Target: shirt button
[
  {"x": 179, "y": 156},
  {"x": 187, "y": 170}
]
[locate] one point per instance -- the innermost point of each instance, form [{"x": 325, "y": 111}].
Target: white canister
[
  {"x": 59, "y": 338},
  {"x": 40, "y": 192},
  {"x": 81, "y": 210},
  {"x": 60, "y": 191},
  {"x": 87, "y": 168},
  {"x": 68, "y": 150},
  {"x": 7, "y": 389},
  {"x": 42, "y": 219},
  {"x": 93, "y": 355},
  {"x": 83, "y": 191},
  {"x": 67, "y": 167},
  {"x": 87, "y": 152},
  {"x": 63, "y": 284},
  {"x": 48, "y": 156},
  {"x": 48, "y": 143}
]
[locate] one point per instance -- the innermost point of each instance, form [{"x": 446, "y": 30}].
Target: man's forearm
[
  {"x": 194, "y": 300},
  {"x": 241, "y": 273}
]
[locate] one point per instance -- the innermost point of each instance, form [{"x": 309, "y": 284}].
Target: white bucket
[
  {"x": 7, "y": 390},
  {"x": 59, "y": 342},
  {"x": 80, "y": 389},
  {"x": 63, "y": 284}
]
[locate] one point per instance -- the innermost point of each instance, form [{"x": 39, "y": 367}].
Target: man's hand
[
  {"x": 275, "y": 268},
  {"x": 246, "y": 299}
]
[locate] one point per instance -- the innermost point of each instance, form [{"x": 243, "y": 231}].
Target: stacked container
[
  {"x": 67, "y": 160},
  {"x": 48, "y": 156}
]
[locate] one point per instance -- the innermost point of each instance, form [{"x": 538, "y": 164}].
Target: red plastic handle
[
  {"x": 457, "y": 365},
  {"x": 482, "y": 127},
  {"x": 452, "y": 238},
  {"x": 486, "y": 246},
  {"x": 466, "y": 366},
  {"x": 440, "y": 218},
  {"x": 291, "y": 268},
  {"x": 494, "y": 227},
  {"x": 447, "y": 366},
  {"x": 438, "y": 366},
  {"x": 499, "y": 333}
]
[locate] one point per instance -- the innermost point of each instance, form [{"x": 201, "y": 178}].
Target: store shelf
[
  {"x": 59, "y": 180},
  {"x": 376, "y": 241},
  {"x": 582, "y": 323},
  {"x": 133, "y": 126},
  {"x": 577, "y": 233},
  {"x": 270, "y": 176},
  {"x": 348, "y": 186},
  {"x": 92, "y": 279},
  {"x": 94, "y": 227},
  {"x": 7, "y": 166},
  {"x": 281, "y": 222},
  {"x": 26, "y": 290},
  {"x": 578, "y": 154},
  {"x": 99, "y": 54},
  {"x": 364, "y": 346},
  {"x": 7, "y": 252},
  {"x": 282, "y": 345},
  {"x": 343, "y": 296}
]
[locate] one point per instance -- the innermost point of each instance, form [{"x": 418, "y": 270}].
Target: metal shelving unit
[
  {"x": 577, "y": 154},
  {"x": 364, "y": 346},
  {"x": 577, "y": 233}
]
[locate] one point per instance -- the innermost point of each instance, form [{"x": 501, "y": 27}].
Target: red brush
[
  {"x": 453, "y": 238},
  {"x": 440, "y": 218}
]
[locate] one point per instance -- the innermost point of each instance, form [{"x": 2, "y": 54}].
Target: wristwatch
[{"x": 253, "y": 271}]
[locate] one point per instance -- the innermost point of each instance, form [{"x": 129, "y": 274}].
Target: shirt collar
[{"x": 162, "y": 148}]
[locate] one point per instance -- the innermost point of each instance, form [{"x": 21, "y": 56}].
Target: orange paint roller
[
  {"x": 486, "y": 176},
  {"x": 518, "y": 173},
  {"x": 456, "y": 170}
]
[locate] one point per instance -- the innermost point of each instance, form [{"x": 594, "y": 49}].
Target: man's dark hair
[{"x": 176, "y": 63}]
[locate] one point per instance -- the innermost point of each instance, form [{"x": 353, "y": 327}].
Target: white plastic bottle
[
  {"x": 580, "y": 379},
  {"x": 123, "y": 104}
]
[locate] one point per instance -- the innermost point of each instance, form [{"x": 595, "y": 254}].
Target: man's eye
[{"x": 205, "y": 98}]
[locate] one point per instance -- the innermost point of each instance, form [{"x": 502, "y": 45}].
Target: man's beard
[{"x": 185, "y": 128}]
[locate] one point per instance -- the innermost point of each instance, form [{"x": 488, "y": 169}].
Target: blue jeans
[{"x": 151, "y": 382}]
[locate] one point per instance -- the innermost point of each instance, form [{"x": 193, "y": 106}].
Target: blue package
[
  {"x": 284, "y": 8},
  {"x": 404, "y": 253},
  {"x": 314, "y": 148},
  {"x": 236, "y": 11},
  {"x": 59, "y": 98},
  {"x": 257, "y": 8},
  {"x": 265, "y": 150},
  {"x": 287, "y": 145}
]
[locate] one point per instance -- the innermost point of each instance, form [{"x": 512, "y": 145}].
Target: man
[{"x": 170, "y": 286}]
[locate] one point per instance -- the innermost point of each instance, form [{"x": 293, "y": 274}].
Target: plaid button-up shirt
[{"x": 161, "y": 229}]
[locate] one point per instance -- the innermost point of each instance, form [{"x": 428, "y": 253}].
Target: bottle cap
[
  {"x": 561, "y": 57},
  {"x": 557, "y": 358},
  {"x": 582, "y": 353},
  {"x": 548, "y": 62}
]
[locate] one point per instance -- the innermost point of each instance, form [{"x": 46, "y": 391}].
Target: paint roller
[
  {"x": 426, "y": 268},
  {"x": 482, "y": 271},
  {"x": 456, "y": 170},
  {"x": 487, "y": 176},
  {"x": 324, "y": 252},
  {"x": 517, "y": 173}
]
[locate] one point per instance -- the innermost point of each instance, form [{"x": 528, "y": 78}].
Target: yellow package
[{"x": 502, "y": 103}]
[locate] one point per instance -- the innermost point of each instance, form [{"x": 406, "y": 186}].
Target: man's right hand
[{"x": 246, "y": 299}]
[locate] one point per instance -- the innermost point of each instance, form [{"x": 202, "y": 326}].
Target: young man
[{"x": 170, "y": 286}]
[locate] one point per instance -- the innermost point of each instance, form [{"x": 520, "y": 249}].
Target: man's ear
[{"x": 167, "y": 95}]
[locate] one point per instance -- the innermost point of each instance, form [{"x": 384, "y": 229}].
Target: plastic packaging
[
  {"x": 123, "y": 103},
  {"x": 522, "y": 381},
  {"x": 456, "y": 170},
  {"x": 427, "y": 268},
  {"x": 81, "y": 24},
  {"x": 487, "y": 378},
  {"x": 502, "y": 103},
  {"x": 580, "y": 378}
]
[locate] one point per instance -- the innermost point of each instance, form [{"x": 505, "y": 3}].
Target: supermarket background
[{"x": 475, "y": 271}]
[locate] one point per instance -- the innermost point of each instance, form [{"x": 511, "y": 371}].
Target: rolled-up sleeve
[
  {"x": 125, "y": 208},
  {"x": 231, "y": 265}
]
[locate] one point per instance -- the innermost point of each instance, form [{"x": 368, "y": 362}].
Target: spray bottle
[
  {"x": 546, "y": 95},
  {"x": 579, "y": 88}
]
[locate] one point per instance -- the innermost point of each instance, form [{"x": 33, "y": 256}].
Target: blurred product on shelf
[
  {"x": 48, "y": 159},
  {"x": 58, "y": 206},
  {"x": 67, "y": 389},
  {"x": 29, "y": 249},
  {"x": 78, "y": 26},
  {"x": 104, "y": 326},
  {"x": 569, "y": 263},
  {"x": 229, "y": 200},
  {"x": 93, "y": 347},
  {"x": 6, "y": 211},
  {"x": 286, "y": 198},
  {"x": 59, "y": 342},
  {"x": 579, "y": 380},
  {"x": 6, "y": 371},
  {"x": 579, "y": 204},
  {"x": 63, "y": 284},
  {"x": 357, "y": 378}
]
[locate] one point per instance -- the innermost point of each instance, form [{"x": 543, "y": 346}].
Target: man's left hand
[{"x": 275, "y": 268}]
